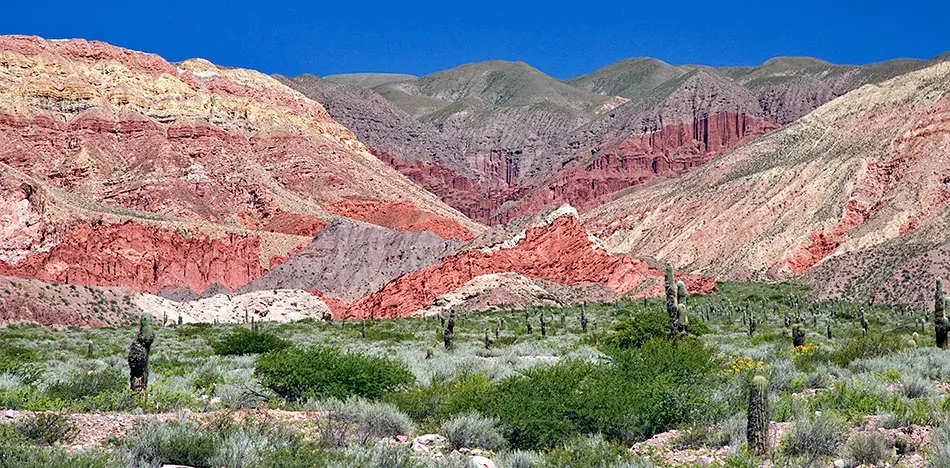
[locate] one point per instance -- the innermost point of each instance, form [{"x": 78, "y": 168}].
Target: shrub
[
  {"x": 245, "y": 341},
  {"x": 940, "y": 447},
  {"x": 816, "y": 434},
  {"x": 644, "y": 326},
  {"x": 326, "y": 372},
  {"x": 179, "y": 442},
  {"x": 917, "y": 388},
  {"x": 520, "y": 459},
  {"x": 47, "y": 428},
  {"x": 643, "y": 391},
  {"x": 473, "y": 430},
  {"x": 866, "y": 448},
  {"x": 869, "y": 346},
  {"x": 82, "y": 387},
  {"x": 359, "y": 420},
  {"x": 638, "y": 330},
  {"x": 591, "y": 451}
]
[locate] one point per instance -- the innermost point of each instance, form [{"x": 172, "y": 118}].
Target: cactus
[
  {"x": 180, "y": 319},
  {"x": 681, "y": 296},
  {"x": 488, "y": 341},
  {"x": 757, "y": 429},
  {"x": 544, "y": 328},
  {"x": 138, "y": 354},
  {"x": 583, "y": 319},
  {"x": 828, "y": 330},
  {"x": 89, "y": 350},
  {"x": 798, "y": 335},
  {"x": 671, "y": 300},
  {"x": 527, "y": 322},
  {"x": 752, "y": 323},
  {"x": 363, "y": 329},
  {"x": 941, "y": 325},
  {"x": 864, "y": 322},
  {"x": 448, "y": 331}
]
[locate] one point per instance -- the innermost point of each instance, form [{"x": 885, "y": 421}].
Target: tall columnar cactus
[
  {"x": 138, "y": 354},
  {"x": 828, "y": 330},
  {"x": 798, "y": 335},
  {"x": 941, "y": 324},
  {"x": 681, "y": 294},
  {"x": 672, "y": 309},
  {"x": 544, "y": 328},
  {"x": 527, "y": 322},
  {"x": 583, "y": 319},
  {"x": 448, "y": 331},
  {"x": 757, "y": 429},
  {"x": 752, "y": 322}
]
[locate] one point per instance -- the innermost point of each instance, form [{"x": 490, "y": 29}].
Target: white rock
[
  {"x": 839, "y": 463},
  {"x": 481, "y": 462}
]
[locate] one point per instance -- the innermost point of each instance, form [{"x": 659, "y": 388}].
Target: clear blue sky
[{"x": 561, "y": 39}]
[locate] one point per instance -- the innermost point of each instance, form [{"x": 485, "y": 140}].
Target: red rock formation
[
  {"x": 337, "y": 306},
  {"x": 142, "y": 258},
  {"x": 401, "y": 216},
  {"x": 667, "y": 152},
  {"x": 561, "y": 252}
]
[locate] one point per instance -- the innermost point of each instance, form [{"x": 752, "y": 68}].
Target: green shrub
[
  {"x": 179, "y": 442},
  {"x": 639, "y": 329},
  {"x": 869, "y": 346},
  {"x": 643, "y": 391},
  {"x": 591, "y": 451},
  {"x": 47, "y": 428},
  {"x": 866, "y": 448},
  {"x": 817, "y": 434},
  {"x": 327, "y": 372},
  {"x": 644, "y": 326},
  {"x": 473, "y": 430},
  {"x": 359, "y": 420},
  {"x": 245, "y": 341},
  {"x": 85, "y": 386}
]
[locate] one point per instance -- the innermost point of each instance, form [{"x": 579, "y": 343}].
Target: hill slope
[
  {"x": 200, "y": 169},
  {"x": 863, "y": 180}
]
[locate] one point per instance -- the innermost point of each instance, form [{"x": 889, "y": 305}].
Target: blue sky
[{"x": 562, "y": 39}]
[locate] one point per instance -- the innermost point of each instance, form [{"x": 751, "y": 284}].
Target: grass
[{"x": 535, "y": 401}]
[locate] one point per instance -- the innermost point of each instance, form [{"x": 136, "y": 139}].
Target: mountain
[
  {"x": 853, "y": 197},
  {"x": 120, "y": 168},
  {"x": 499, "y": 140},
  {"x": 368, "y": 80},
  {"x": 632, "y": 78}
]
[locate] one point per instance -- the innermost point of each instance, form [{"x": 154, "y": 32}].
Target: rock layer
[
  {"x": 822, "y": 197},
  {"x": 560, "y": 250}
]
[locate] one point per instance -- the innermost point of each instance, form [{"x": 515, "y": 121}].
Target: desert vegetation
[{"x": 753, "y": 374}]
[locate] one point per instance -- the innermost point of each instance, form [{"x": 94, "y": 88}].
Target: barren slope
[
  {"x": 855, "y": 174},
  {"x": 120, "y": 168}
]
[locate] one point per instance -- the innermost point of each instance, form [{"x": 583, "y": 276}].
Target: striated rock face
[
  {"x": 402, "y": 216},
  {"x": 372, "y": 256},
  {"x": 119, "y": 168},
  {"x": 847, "y": 197},
  {"x": 145, "y": 259},
  {"x": 559, "y": 250}
]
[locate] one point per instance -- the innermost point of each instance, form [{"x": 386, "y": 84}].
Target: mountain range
[{"x": 489, "y": 184}]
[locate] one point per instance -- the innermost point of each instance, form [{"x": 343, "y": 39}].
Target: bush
[
  {"x": 245, "y": 341},
  {"x": 179, "y": 442},
  {"x": 815, "y": 435},
  {"x": 81, "y": 388},
  {"x": 520, "y": 459},
  {"x": 359, "y": 420},
  {"x": 638, "y": 330},
  {"x": 662, "y": 385},
  {"x": 940, "y": 447},
  {"x": 326, "y": 372},
  {"x": 871, "y": 346},
  {"x": 866, "y": 448},
  {"x": 473, "y": 430},
  {"x": 591, "y": 452},
  {"x": 47, "y": 429}
]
